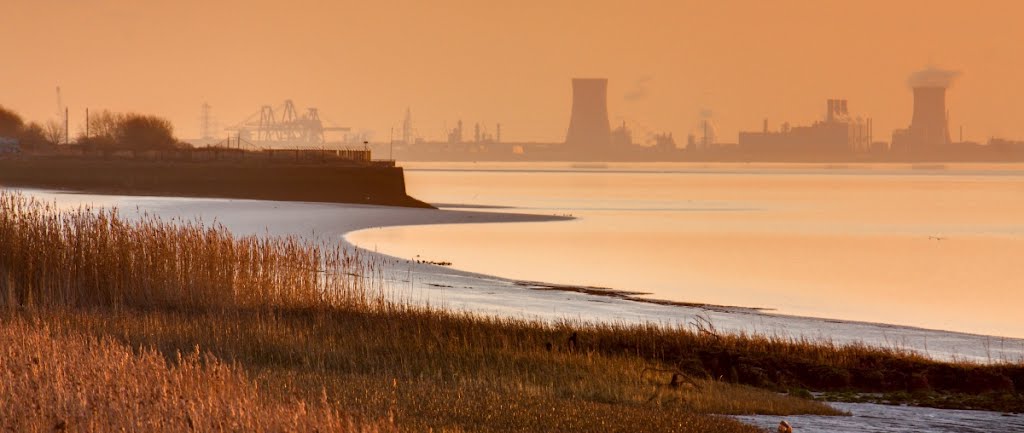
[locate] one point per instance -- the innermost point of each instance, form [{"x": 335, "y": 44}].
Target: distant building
[
  {"x": 839, "y": 133},
  {"x": 929, "y": 126},
  {"x": 928, "y": 133},
  {"x": 455, "y": 135},
  {"x": 622, "y": 136},
  {"x": 589, "y": 125},
  {"x": 1003, "y": 145},
  {"x": 664, "y": 141},
  {"x": 706, "y": 137}
]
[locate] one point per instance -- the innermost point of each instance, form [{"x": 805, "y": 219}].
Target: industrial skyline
[{"x": 666, "y": 62}]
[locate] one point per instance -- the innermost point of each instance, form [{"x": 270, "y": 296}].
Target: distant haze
[{"x": 362, "y": 63}]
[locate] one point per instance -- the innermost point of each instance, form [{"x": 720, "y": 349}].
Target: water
[
  {"x": 939, "y": 248},
  {"x": 877, "y": 418}
]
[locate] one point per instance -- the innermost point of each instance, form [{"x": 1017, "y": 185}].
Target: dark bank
[{"x": 260, "y": 179}]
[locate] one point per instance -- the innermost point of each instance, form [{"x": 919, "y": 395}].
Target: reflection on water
[{"x": 939, "y": 248}]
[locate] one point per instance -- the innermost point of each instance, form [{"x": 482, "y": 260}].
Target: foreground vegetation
[
  {"x": 307, "y": 323},
  {"x": 79, "y": 383}
]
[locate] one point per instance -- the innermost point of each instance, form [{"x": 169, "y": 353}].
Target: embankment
[{"x": 260, "y": 180}]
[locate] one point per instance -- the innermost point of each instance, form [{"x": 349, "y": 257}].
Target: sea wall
[{"x": 261, "y": 180}]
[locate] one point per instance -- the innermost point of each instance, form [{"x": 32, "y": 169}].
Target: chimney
[
  {"x": 831, "y": 113},
  {"x": 589, "y": 124}
]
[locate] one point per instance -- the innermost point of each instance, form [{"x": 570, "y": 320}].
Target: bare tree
[
  {"x": 53, "y": 131},
  {"x": 104, "y": 124}
]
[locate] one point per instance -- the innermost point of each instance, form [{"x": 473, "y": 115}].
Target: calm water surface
[{"x": 937, "y": 247}]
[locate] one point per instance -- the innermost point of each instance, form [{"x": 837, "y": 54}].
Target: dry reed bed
[
  {"x": 456, "y": 373},
  {"x": 83, "y": 384},
  {"x": 93, "y": 257}
]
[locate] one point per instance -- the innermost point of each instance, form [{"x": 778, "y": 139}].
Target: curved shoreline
[
  {"x": 638, "y": 297},
  {"x": 485, "y": 294}
]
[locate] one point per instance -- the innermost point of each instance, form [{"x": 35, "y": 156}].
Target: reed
[
  {"x": 81, "y": 257},
  {"x": 83, "y": 384}
]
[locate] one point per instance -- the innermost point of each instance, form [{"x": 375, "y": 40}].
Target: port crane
[{"x": 283, "y": 126}]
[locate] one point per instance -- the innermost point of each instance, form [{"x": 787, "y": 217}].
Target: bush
[
  {"x": 143, "y": 132},
  {"x": 131, "y": 131},
  {"x": 10, "y": 123}
]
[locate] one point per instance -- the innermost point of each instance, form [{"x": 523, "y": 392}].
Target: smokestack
[
  {"x": 589, "y": 124},
  {"x": 929, "y": 126},
  {"x": 843, "y": 110},
  {"x": 830, "y": 116}
]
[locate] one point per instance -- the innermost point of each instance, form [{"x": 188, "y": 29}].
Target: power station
[
  {"x": 589, "y": 125},
  {"x": 929, "y": 126},
  {"x": 838, "y": 135}
]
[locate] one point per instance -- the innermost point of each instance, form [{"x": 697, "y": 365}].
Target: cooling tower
[
  {"x": 589, "y": 122},
  {"x": 929, "y": 125}
]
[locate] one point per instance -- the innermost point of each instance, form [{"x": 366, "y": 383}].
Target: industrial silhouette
[
  {"x": 838, "y": 134},
  {"x": 285, "y": 127},
  {"x": 929, "y": 127},
  {"x": 589, "y": 125}
]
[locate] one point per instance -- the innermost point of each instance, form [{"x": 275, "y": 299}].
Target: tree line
[{"x": 105, "y": 130}]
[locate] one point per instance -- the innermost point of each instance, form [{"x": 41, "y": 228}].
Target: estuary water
[{"x": 937, "y": 246}]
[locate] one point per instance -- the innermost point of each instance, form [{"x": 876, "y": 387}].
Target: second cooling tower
[
  {"x": 589, "y": 124},
  {"x": 929, "y": 125}
]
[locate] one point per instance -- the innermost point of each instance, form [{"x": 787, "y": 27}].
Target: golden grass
[
  {"x": 84, "y": 384},
  {"x": 92, "y": 257},
  {"x": 427, "y": 371}
]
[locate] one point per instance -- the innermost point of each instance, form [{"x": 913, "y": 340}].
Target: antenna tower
[
  {"x": 205, "y": 125},
  {"x": 62, "y": 113}
]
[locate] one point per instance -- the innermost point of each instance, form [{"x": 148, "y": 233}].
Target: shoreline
[
  {"x": 923, "y": 334},
  {"x": 636, "y": 296},
  {"x": 491, "y": 295}
]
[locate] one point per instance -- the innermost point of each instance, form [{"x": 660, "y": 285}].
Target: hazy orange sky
[{"x": 362, "y": 63}]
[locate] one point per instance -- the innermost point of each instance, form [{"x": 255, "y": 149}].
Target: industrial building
[
  {"x": 929, "y": 127},
  {"x": 588, "y": 124},
  {"x": 839, "y": 133}
]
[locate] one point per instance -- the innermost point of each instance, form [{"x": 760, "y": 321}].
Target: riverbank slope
[{"x": 261, "y": 180}]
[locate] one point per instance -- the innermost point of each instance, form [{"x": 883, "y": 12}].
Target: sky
[{"x": 362, "y": 63}]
